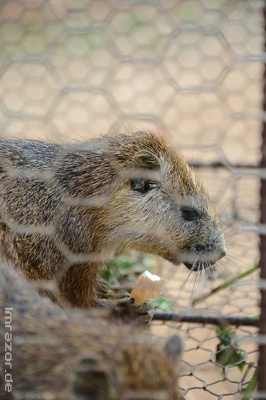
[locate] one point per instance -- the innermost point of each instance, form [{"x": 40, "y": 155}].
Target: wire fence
[{"x": 193, "y": 71}]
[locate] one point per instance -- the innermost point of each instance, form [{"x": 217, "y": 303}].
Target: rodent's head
[
  {"x": 150, "y": 367},
  {"x": 145, "y": 368},
  {"x": 150, "y": 199},
  {"x": 160, "y": 206}
]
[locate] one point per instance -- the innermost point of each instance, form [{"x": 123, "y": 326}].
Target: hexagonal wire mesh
[{"x": 191, "y": 70}]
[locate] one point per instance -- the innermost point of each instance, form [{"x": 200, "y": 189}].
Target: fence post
[{"x": 262, "y": 323}]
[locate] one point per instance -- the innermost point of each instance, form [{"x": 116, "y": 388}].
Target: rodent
[
  {"x": 73, "y": 206},
  {"x": 50, "y": 353}
]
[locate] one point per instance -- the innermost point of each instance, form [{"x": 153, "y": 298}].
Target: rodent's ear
[
  {"x": 90, "y": 379},
  {"x": 173, "y": 347},
  {"x": 146, "y": 160}
]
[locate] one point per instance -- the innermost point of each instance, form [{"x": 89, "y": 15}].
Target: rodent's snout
[
  {"x": 198, "y": 266},
  {"x": 222, "y": 254},
  {"x": 200, "y": 262}
]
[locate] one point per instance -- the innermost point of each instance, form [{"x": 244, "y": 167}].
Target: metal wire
[
  {"x": 262, "y": 323},
  {"x": 191, "y": 70}
]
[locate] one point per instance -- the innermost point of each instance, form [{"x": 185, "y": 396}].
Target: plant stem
[{"x": 225, "y": 284}]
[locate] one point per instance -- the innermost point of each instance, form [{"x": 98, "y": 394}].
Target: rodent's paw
[
  {"x": 120, "y": 293},
  {"x": 128, "y": 312},
  {"x": 109, "y": 292}
]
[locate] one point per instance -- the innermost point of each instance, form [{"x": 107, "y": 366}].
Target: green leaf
[
  {"x": 229, "y": 352},
  {"x": 109, "y": 275},
  {"x": 163, "y": 303},
  {"x": 123, "y": 263},
  {"x": 251, "y": 386}
]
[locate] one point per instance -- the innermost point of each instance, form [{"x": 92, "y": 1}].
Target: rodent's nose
[{"x": 223, "y": 253}]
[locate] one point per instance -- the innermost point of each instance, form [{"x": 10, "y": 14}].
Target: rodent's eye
[
  {"x": 143, "y": 186},
  {"x": 190, "y": 214}
]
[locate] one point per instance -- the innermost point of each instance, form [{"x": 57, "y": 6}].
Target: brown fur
[
  {"x": 60, "y": 354},
  {"x": 72, "y": 207}
]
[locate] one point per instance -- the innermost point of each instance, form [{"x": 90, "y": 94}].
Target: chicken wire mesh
[{"x": 191, "y": 70}]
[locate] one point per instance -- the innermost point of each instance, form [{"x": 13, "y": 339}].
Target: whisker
[
  {"x": 233, "y": 244},
  {"x": 204, "y": 282},
  {"x": 184, "y": 284},
  {"x": 191, "y": 295},
  {"x": 231, "y": 269},
  {"x": 231, "y": 256},
  {"x": 193, "y": 273}
]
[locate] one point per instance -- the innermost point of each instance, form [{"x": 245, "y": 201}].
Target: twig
[
  {"x": 222, "y": 320},
  {"x": 225, "y": 284}
]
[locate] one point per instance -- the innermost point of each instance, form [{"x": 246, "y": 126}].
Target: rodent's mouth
[
  {"x": 198, "y": 266},
  {"x": 192, "y": 266}
]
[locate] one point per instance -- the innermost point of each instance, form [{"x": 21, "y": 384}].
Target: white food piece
[{"x": 148, "y": 287}]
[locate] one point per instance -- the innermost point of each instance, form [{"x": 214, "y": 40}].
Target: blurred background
[{"x": 191, "y": 70}]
